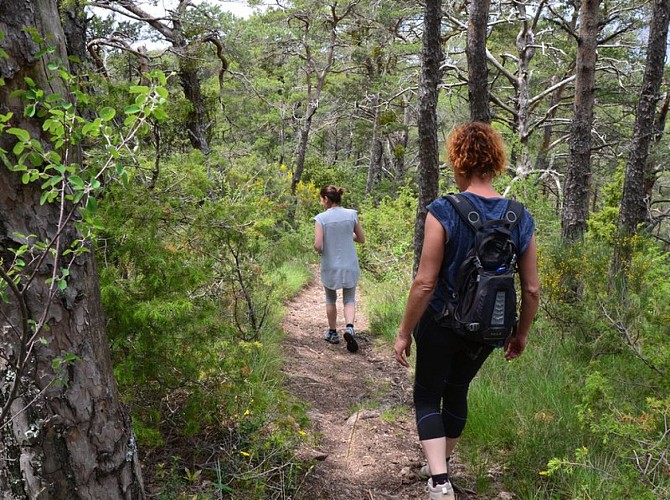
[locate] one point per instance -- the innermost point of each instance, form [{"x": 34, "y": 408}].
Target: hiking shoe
[
  {"x": 352, "y": 345},
  {"x": 441, "y": 491},
  {"x": 332, "y": 337}
]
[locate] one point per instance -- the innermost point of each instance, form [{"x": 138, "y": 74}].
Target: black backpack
[{"x": 483, "y": 306}]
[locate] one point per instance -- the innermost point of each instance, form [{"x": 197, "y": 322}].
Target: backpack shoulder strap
[
  {"x": 513, "y": 213},
  {"x": 466, "y": 210}
]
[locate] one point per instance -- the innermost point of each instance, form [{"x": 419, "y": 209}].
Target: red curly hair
[{"x": 474, "y": 148}]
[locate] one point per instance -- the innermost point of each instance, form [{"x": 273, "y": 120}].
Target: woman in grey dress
[{"x": 335, "y": 231}]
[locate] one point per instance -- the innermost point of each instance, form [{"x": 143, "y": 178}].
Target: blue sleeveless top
[{"x": 460, "y": 237}]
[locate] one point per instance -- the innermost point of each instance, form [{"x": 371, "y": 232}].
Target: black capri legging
[{"x": 445, "y": 365}]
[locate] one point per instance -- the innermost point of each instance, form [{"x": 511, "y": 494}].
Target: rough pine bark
[
  {"x": 431, "y": 56},
  {"x": 196, "y": 122},
  {"x": 75, "y": 24},
  {"x": 478, "y": 73},
  {"x": 578, "y": 179},
  {"x": 66, "y": 434},
  {"x": 399, "y": 144},
  {"x": 634, "y": 203}
]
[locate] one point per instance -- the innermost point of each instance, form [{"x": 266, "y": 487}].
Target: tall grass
[
  {"x": 384, "y": 306},
  {"x": 522, "y": 413}
]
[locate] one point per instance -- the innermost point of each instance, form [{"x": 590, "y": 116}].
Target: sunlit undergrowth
[{"x": 194, "y": 274}]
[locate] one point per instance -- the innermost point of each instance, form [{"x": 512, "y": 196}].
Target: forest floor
[{"x": 364, "y": 442}]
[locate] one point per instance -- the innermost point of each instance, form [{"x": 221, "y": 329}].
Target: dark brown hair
[
  {"x": 333, "y": 193},
  {"x": 474, "y": 148}
]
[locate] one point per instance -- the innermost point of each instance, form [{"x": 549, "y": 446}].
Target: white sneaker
[
  {"x": 441, "y": 491},
  {"x": 331, "y": 337}
]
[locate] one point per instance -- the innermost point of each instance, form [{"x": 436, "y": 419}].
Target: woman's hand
[
  {"x": 403, "y": 348},
  {"x": 515, "y": 346}
]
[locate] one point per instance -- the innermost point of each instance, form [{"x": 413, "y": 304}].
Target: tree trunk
[
  {"x": 652, "y": 170},
  {"x": 633, "y": 204},
  {"x": 314, "y": 88},
  {"x": 525, "y": 44},
  {"x": 429, "y": 157},
  {"x": 66, "y": 434},
  {"x": 196, "y": 122},
  {"x": 575, "y": 206},
  {"x": 400, "y": 144},
  {"x": 301, "y": 148},
  {"x": 376, "y": 151},
  {"x": 478, "y": 72},
  {"x": 75, "y": 24}
]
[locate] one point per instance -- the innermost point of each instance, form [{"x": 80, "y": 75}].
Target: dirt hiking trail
[{"x": 365, "y": 444}]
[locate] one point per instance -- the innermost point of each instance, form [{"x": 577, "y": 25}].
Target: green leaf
[
  {"x": 92, "y": 205},
  {"x": 113, "y": 152},
  {"x": 35, "y": 159},
  {"x": 21, "y": 134},
  {"x": 25, "y": 178},
  {"x": 159, "y": 114},
  {"x": 53, "y": 157},
  {"x": 18, "y": 148},
  {"x": 52, "y": 181},
  {"x": 29, "y": 81},
  {"x": 160, "y": 76},
  {"x": 107, "y": 113},
  {"x": 132, "y": 109},
  {"x": 86, "y": 129},
  {"x": 77, "y": 182},
  {"x": 138, "y": 89},
  {"x": 34, "y": 34},
  {"x": 29, "y": 111}
]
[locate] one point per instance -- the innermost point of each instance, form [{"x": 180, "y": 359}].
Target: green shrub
[{"x": 193, "y": 275}]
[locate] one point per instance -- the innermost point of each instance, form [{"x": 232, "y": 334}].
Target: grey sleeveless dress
[{"x": 339, "y": 261}]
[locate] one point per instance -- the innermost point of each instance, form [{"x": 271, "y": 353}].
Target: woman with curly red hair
[{"x": 446, "y": 362}]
